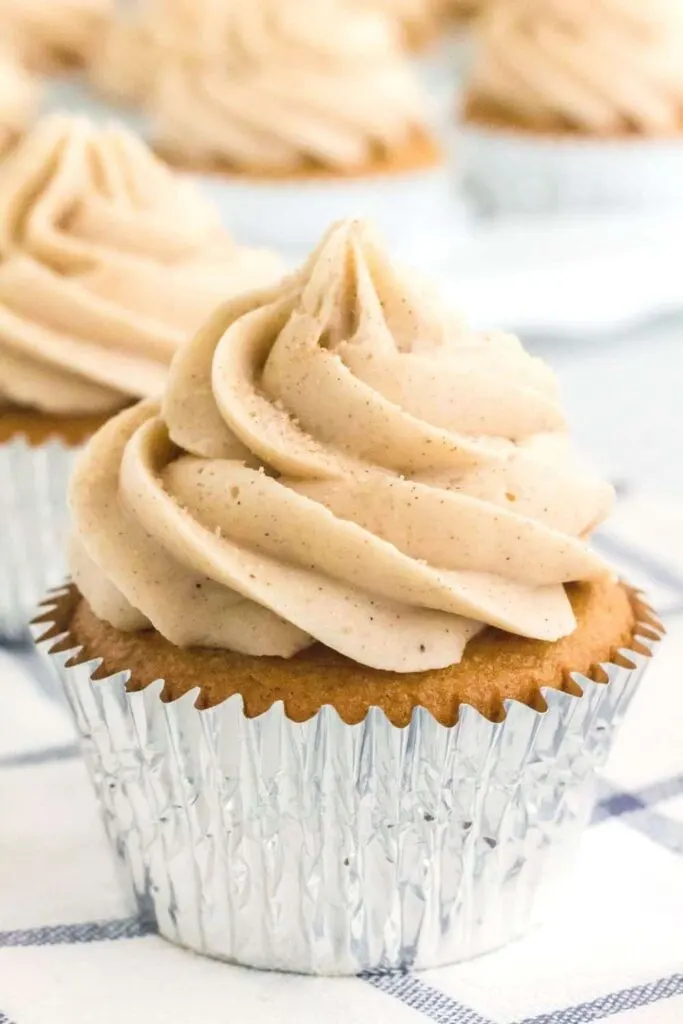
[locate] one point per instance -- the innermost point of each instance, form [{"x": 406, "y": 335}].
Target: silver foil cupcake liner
[
  {"x": 33, "y": 523},
  {"x": 328, "y": 848}
]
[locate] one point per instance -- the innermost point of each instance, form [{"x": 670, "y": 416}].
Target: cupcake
[
  {"x": 311, "y": 112},
  {"x": 19, "y": 96},
  {"x": 136, "y": 44},
  {"x": 54, "y": 35},
  {"x": 576, "y": 105},
  {"x": 343, "y": 661},
  {"x": 107, "y": 264}
]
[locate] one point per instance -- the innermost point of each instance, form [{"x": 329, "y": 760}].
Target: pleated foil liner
[
  {"x": 515, "y": 172},
  {"x": 33, "y": 523},
  {"x": 326, "y": 848}
]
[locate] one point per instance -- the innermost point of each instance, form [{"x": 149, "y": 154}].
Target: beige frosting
[
  {"x": 53, "y": 32},
  {"x": 108, "y": 262},
  {"x": 599, "y": 66},
  {"x": 140, "y": 41},
  {"x": 339, "y": 459},
  {"x": 312, "y": 82},
  {"x": 19, "y": 95}
]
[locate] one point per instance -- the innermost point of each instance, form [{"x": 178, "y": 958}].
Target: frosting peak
[
  {"x": 108, "y": 262},
  {"x": 312, "y": 83},
  {"x": 339, "y": 459},
  {"x": 602, "y": 66}
]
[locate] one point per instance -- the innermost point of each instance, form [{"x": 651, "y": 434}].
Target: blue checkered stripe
[{"x": 639, "y": 809}]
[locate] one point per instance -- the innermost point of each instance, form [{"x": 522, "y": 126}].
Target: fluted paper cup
[
  {"x": 33, "y": 517},
  {"x": 325, "y": 848},
  {"x": 517, "y": 172}
]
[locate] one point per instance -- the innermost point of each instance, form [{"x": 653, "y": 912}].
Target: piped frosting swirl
[
  {"x": 597, "y": 66},
  {"x": 108, "y": 262},
  {"x": 314, "y": 83},
  {"x": 338, "y": 459}
]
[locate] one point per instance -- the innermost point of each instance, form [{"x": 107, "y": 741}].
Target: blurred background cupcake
[
  {"x": 54, "y": 35},
  {"x": 308, "y": 113},
  {"x": 107, "y": 264},
  {"x": 576, "y": 104},
  {"x": 19, "y": 100}
]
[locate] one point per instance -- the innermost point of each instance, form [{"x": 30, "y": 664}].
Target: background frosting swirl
[
  {"x": 139, "y": 42},
  {"x": 50, "y": 33},
  {"x": 19, "y": 95},
  {"x": 600, "y": 66},
  {"x": 315, "y": 82},
  {"x": 338, "y": 459},
  {"x": 108, "y": 262}
]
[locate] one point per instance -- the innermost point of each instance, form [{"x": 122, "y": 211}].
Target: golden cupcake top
[
  {"x": 315, "y": 83},
  {"x": 108, "y": 262},
  {"x": 54, "y": 33},
  {"x": 19, "y": 97},
  {"x": 599, "y": 67},
  {"x": 339, "y": 459}
]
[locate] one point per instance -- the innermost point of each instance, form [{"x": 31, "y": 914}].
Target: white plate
[{"x": 566, "y": 276}]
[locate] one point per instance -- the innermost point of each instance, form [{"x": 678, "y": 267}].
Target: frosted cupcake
[
  {"x": 311, "y": 113},
  {"x": 54, "y": 34},
  {"x": 577, "y": 104},
  {"x": 19, "y": 96},
  {"x": 107, "y": 264},
  {"x": 354, "y": 656}
]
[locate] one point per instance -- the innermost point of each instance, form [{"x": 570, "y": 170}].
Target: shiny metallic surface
[
  {"x": 33, "y": 522},
  {"x": 334, "y": 849}
]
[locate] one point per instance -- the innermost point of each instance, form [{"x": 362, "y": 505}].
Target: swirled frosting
[
  {"x": 314, "y": 82},
  {"x": 108, "y": 262},
  {"x": 137, "y": 44},
  {"x": 51, "y": 33},
  {"x": 338, "y": 459},
  {"x": 598, "y": 66},
  {"x": 18, "y": 101}
]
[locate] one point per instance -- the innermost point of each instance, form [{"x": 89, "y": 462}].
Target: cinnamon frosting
[
  {"x": 339, "y": 459},
  {"x": 312, "y": 83},
  {"x": 108, "y": 263},
  {"x": 19, "y": 96},
  {"x": 138, "y": 43},
  {"x": 50, "y": 33},
  {"x": 597, "y": 66}
]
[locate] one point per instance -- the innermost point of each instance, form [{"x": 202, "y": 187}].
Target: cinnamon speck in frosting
[{"x": 331, "y": 462}]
